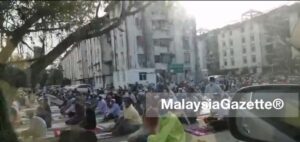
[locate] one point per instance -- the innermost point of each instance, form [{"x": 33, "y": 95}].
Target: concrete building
[
  {"x": 256, "y": 44},
  {"x": 71, "y": 64},
  {"x": 240, "y": 46},
  {"x": 89, "y": 62},
  {"x": 150, "y": 42},
  {"x": 208, "y": 54}
]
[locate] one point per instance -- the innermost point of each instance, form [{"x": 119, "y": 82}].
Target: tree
[
  {"x": 277, "y": 26},
  {"x": 70, "y": 21},
  {"x": 21, "y": 18},
  {"x": 96, "y": 27},
  {"x": 55, "y": 77}
]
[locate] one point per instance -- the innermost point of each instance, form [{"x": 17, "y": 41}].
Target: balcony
[
  {"x": 106, "y": 70},
  {"x": 159, "y": 16},
  {"x": 161, "y": 66},
  {"x": 159, "y": 49},
  {"x": 140, "y": 50},
  {"x": 269, "y": 48},
  {"x": 107, "y": 55},
  {"x": 163, "y": 33}
]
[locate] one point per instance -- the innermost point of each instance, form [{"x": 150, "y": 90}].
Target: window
[
  {"x": 242, "y": 29},
  {"x": 166, "y": 58},
  {"x": 117, "y": 60},
  {"x": 161, "y": 42},
  {"x": 252, "y": 37},
  {"x": 157, "y": 58},
  {"x": 269, "y": 39},
  {"x": 253, "y": 47},
  {"x": 230, "y": 42},
  {"x": 187, "y": 58},
  {"x": 251, "y": 26},
  {"x": 253, "y": 59},
  {"x": 230, "y": 32},
  {"x": 159, "y": 24},
  {"x": 225, "y": 63},
  {"x": 232, "y": 61},
  {"x": 224, "y": 53},
  {"x": 224, "y": 44},
  {"x": 143, "y": 76},
  {"x": 245, "y": 60},
  {"x": 139, "y": 41},
  {"x": 244, "y": 50},
  {"x": 185, "y": 42},
  {"x": 231, "y": 52},
  {"x": 124, "y": 75},
  {"x": 137, "y": 22},
  {"x": 118, "y": 76},
  {"x": 142, "y": 60},
  {"x": 243, "y": 40},
  {"x": 223, "y": 35},
  {"x": 123, "y": 58},
  {"x": 122, "y": 40},
  {"x": 154, "y": 25}
]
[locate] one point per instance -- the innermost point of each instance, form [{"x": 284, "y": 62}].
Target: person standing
[
  {"x": 212, "y": 88},
  {"x": 215, "y": 92}
]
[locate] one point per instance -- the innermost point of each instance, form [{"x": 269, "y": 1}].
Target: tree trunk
[
  {"x": 80, "y": 34},
  {"x": 16, "y": 36}
]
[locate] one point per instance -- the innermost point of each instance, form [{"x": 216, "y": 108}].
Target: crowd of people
[{"x": 126, "y": 107}]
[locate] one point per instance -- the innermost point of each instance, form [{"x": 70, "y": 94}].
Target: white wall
[
  {"x": 132, "y": 76},
  {"x": 237, "y": 46},
  {"x": 201, "y": 45},
  {"x": 293, "y": 20}
]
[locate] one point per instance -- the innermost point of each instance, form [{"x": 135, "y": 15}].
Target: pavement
[{"x": 58, "y": 123}]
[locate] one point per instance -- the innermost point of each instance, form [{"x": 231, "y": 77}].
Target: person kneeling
[
  {"x": 130, "y": 122},
  {"x": 37, "y": 128},
  {"x": 113, "y": 112},
  {"x": 78, "y": 116}
]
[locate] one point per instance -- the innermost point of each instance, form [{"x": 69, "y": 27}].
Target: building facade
[
  {"x": 150, "y": 42},
  {"x": 89, "y": 62},
  {"x": 257, "y": 44},
  {"x": 208, "y": 54}
]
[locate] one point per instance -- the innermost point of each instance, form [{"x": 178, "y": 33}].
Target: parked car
[{"x": 83, "y": 88}]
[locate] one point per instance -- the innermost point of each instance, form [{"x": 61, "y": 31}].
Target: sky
[{"x": 216, "y": 14}]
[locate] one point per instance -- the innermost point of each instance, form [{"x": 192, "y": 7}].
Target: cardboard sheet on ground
[
  {"x": 198, "y": 131},
  {"x": 61, "y": 125},
  {"x": 54, "y": 100},
  {"x": 104, "y": 135}
]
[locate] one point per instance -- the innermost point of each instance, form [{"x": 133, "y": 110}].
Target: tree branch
[
  {"x": 47, "y": 29},
  {"x": 16, "y": 36},
  {"x": 24, "y": 61},
  {"x": 85, "y": 32},
  {"x": 22, "y": 41},
  {"x": 97, "y": 10}
]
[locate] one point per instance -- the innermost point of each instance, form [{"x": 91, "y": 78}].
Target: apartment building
[
  {"x": 72, "y": 68},
  {"x": 89, "y": 62},
  {"x": 151, "y": 42},
  {"x": 240, "y": 46},
  {"x": 256, "y": 44},
  {"x": 208, "y": 54}
]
